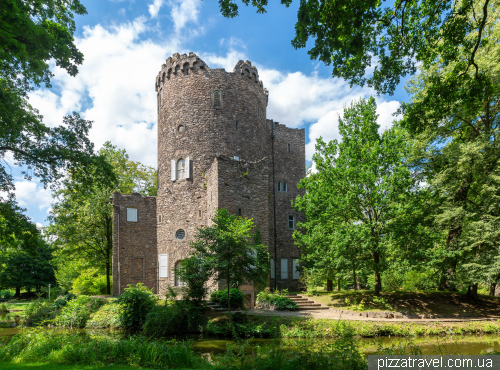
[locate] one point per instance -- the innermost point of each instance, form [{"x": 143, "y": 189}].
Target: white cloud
[
  {"x": 183, "y": 12},
  {"x": 155, "y": 8},
  {"x": 29, "y": 194}
]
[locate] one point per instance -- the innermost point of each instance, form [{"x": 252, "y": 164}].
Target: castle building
[{"x": 214, "y": 151}]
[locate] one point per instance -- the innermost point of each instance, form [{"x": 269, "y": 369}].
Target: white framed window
[
  {"x": 279, "y": 186},
  {"x": 289, "y": 147},
  {"x": 284, "y": 269},
  {"x": 216, "y": 99},
  {"x": 163, "y": 265},
  {"x": 178, "y": 279},
  {"x": 181, "y": 169},
  {"x": 132, "y": 214},
  {"x": 285, "y": 187},
  {"x": 291, "y": 222},
  {"x": 273, "y": 272},
  {"x": 295, "y": 267}
]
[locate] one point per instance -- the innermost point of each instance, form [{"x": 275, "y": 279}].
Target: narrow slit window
[
  {"x": 237, "y": 127},
  {"x": 217, "y": 99},
  {"x": 199, "y": 213},
  {"x": 291, "y": 222},
  {"x": 239, "y": 212},
  {"x": 285, "y": 187},
  {"x": 289, "y": 147},
  {"x": 258, "y": 111},
  {"x": 159, "y": 218},
  {"x": 279, "y": 185}
]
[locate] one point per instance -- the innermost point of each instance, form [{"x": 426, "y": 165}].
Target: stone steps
[{"x": 305, "y": 303}]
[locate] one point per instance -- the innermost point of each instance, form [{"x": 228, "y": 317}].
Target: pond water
[{"x": 449, "y": 344}]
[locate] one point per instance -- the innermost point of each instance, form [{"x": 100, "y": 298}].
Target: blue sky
[{"x": 125, "y": 43}]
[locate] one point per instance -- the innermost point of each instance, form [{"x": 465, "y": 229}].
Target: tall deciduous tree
[
  {"x": 33, "y": 32},
  {"x": 457, "y": 153},
  {"x": 82, "y": 217},
  {"x": 350, "y": 199},
  {"x": 228, "y": 250}
]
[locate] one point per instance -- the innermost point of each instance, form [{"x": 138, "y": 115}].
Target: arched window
[
  {"x": 178, "y": 280},
  {"x": 181, "y": 169},
  {"x": 216, "y": 99}
]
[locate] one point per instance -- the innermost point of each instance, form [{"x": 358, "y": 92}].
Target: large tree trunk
[
  {"x": 338, "y": 285},
  {"x": 378, "y": 280},
  {"x": 472, "y": 292},
  {"x": 18, "y": 291},
  {"x": 329, "y": 285},
  {"x": 492, "y": 289},
  {"x": 358, "y": 283}
]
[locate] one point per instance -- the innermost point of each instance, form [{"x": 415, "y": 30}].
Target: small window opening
[
  {"x": 239, "y": 211},
  {"x": 285, "y": 187},
  {"x": 289, "y": 147},
  {"x": 181, "y": 169},
  {"x": 258, "y": 111},
  {"x": 180, "y": 234},
  {"x": 178, "y": 279},
  {"x": 291, "y": 222},
  {"x": 237, "y": 126},
  {"x": 199, "y": 213},
  {"x": 159, "y": 218},
  {"x": 217, "y": 99},
  {"x": 279, "y": 185},
  {"x": 132, "y": 214}
]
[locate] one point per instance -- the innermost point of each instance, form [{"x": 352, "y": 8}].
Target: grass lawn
[
  {"x": 49, "y": 366},
  {"x": 420, "y": 302}
]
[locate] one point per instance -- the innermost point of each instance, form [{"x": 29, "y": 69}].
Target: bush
[
  {"x": 6, "y": 294},
  {"x": 3, "y": 308},
  {"x": 108, "y": 316},
  {"x": 195, "y": 273},
  {"x": 76, "y": 312},
  {"x": 174, "y": 318},
  {"x": 39, "y": 312},
  {"x": 90, "y": 282},
  {"x": 137, "y": 301},
  {"x": 415, "y": 280},
  {"x": 62, "y": 300},
  {"x": 236, "y": 297},
  {"x": 276, "y": 301}
]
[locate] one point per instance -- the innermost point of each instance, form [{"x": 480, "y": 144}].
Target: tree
[
  {"x": 32, "y": 33},
  {"x": 226, "y": 248},
  {"x": 25, "y": 257},
  {"x": 349, "y": 202},
  {"x": 456, "y": 151},
  {"x": 82, "y": 217}
]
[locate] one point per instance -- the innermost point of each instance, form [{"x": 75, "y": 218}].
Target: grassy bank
[
  {"x": 79, "y": 349},
  {"x": 419, "y": 302},
  {"x": 296, "y": 327}
]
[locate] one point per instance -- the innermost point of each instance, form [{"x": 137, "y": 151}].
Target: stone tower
[{"x": 214, "y": 151}]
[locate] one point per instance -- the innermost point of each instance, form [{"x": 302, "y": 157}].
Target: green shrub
[
  {"x": 236, "y": 297},
  {"x": 137, "y": 301},
  {"x": 3, "y": 307},
  {"x": 108, "y": 316},
  {"x": 195, "y": 272},
  {"x": 76, "y": 312},
  {"x": 90, "y": 282},
  {"x": 276, "y": 300},
  {"x": 416, "y": 280},
  {"x": 6, "y": 294},
  {"x": 174, "y": 318},
  {"x": 39, "y": 312}
]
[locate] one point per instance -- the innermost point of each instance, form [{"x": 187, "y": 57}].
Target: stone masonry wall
[
  {"x": 289, "y": 168},
  {"x": 134, "y": 242}
]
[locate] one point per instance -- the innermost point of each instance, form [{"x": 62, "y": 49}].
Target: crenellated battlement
[
  {"x": 179, "y": 65},
  {"x": 184, "y": 65}
]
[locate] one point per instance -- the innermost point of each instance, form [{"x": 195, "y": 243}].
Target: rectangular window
[
  {"x": 291, "y": 222},
  {"x": 163, "y": 265},
  {"x": 285, "y": 187},
  {"x": 273, "y": 273},
  {"x": 279, "y": 185},
  {"x": 159, "y": 218},
  {"x": 199, "y": 213},
  {"x": 132, "y": 214},
  {"x": 237, "y": 126},
  {"x": 289, "y": 147},
  {"x": 284, "y": 269},
  {"x": 239, "y": 212},
  {"x": 138, "y": 267},
  {"x": 295, "y": 267}
]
